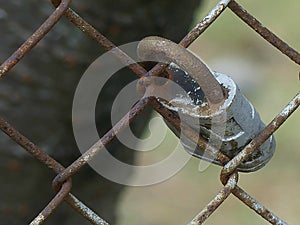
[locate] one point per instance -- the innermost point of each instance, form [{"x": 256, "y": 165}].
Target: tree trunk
[{"x": 36, "y": 97}]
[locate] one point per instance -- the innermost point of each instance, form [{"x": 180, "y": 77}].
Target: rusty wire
[
  {"x": 216, "y": 201},
  {"x": 230, "y": 169},
  {"x": 51, "y": 163},
  {"x": 264, "y": 32},
  {"x": 262, "y": 136},
  {"x": 34, "y": 38},
  {"x": 53, "y": 204},
  {"x": 106, "y": 139},
  {"x": 257, "y": 207},
  {"x": 229, "y": 177}
]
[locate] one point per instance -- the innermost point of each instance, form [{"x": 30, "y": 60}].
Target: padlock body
[{"x": 229, "y": 128}]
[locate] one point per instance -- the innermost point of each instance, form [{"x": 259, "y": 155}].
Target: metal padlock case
[{"x": 240, "y": 125}]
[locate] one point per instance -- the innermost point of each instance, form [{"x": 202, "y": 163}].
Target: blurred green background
[{"x": 269, "y": 80}]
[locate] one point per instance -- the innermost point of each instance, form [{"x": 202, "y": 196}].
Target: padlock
[
  {"x": 229, "y": 125},
  {"x": 230, "y": 134}
]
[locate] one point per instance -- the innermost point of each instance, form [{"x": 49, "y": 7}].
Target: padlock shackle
[{"x": 163, "y": 50}]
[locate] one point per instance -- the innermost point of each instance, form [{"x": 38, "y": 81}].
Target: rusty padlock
[{"x": 239, "y": 121}]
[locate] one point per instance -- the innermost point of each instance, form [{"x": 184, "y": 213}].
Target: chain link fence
[{"x": 229, "y": 175}]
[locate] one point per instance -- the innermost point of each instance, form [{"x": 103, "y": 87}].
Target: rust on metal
[
  {"x": 204, "y": 24},
  {"x": 257, "y": 207},
  {"x": 99, "y": 38},
  {"x": 264, "y": 32},
  {"x": 34, "y": 38},
  {"x": 86, "y": 212},
  {"x": 44, "y": 158},
  {"x": 260, "y": 138},
  {"x": 216, "y": 201},
  {"x": 29, "y": 146},
  {"x": 106, "y": 139},
  {"x": 157, "y": 48},
  {"x": 194, "y": 33},
  {"x": 53, "y": 204}
]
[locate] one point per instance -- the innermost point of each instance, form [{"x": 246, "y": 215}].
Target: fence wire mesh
[{"x": 229, "y": 175}]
